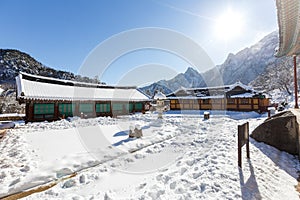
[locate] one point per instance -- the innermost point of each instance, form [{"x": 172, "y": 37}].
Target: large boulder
[{"x": 280, "y": 131}]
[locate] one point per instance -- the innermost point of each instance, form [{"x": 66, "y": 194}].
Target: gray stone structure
[{"x": 280, "y": 131}]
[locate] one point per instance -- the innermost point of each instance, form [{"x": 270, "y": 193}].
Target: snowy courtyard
[{"x": 181, "y": 156}]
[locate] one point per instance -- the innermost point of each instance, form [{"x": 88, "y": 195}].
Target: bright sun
[{"x": 229, "y": 25}]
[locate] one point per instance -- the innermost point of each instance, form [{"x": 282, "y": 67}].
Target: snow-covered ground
[{"x": 179, "y": 157}]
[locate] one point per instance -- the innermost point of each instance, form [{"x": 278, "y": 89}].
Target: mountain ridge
[
  {"x": 13, "y": 61},
  {"x": 244, "y": 66}
]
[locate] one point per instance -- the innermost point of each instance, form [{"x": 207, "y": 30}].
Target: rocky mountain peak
[{"x": 244, "y": 66}]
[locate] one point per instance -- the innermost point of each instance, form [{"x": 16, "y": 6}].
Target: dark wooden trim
[
  {"x": 76, "y": 111},
  {"x": 133, "y": 107},
  {"x": 143, "y": 107},
  {"x": 56, "y": 111},
  {"x": 30, "y": 112},
  {"x": 111, "y": 109}
]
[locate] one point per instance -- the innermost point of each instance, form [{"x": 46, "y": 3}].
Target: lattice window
[
  {"x": 231, "y": 101},
  {"x": 120, "y": 107},
  {"x": 205, "y": 101},
  {"x": 245, "y": 101},
  {"x": 102, "y": 107},
  {"x": 43, "y": 108},
  {"x": 138, "y": 106},
  {"x": 65, "y": 109},
  {"x": 86, "y": 107}
]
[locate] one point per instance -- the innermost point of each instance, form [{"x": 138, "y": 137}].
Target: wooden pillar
[
  {"x": 56, "y": 111},
  {"x": 111, "y": 109},
  {"x": 199, "y": 102},
  {"x": 295, "y": 82},
  {"x": 94, "y": 109},
  {"x": 143, "y": 107},
  {"x": 26, "y": 112},
  {"x": 133, "y": 107},
  {"x": 29, "y": 112},
  {"x": 77, "y": 109}
]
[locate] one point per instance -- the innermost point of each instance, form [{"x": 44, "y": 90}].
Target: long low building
[
  {"x": 237, "y": 97},
  {"x": 53, "y": 99}
]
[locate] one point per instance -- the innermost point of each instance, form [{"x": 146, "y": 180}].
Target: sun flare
[{"x": 229, "y": 25}]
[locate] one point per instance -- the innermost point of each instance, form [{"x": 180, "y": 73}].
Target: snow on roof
[
  {"x": 61, "y": 80},
  {"x": 1, "y": 90},
  {"x": 159, "y": 96},
  {"x": 244, "y": 95},
  {"x": 46, "y": 90},
  {"x": 226, "y": 88},
  {"x": 197, "y": 97},
  {"x": 181, "y": 89},
  {"x": 239, "y": 84}
]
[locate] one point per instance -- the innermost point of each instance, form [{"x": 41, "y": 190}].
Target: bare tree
[{"x": 277, "y": 76}]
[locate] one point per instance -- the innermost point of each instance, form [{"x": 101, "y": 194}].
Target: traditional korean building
[
  {"x": 237, "y": 97},
  {"x": 53, "y": 99}
]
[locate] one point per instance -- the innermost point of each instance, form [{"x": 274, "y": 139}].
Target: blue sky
[{"x": 62, "y": 33}]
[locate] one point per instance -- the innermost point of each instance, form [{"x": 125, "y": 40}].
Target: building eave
[{"x": 288, "y": 16}]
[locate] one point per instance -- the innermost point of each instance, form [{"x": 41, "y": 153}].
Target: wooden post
[
  {"x": 56, "y": 111},
  {"x": 111, "y": 109},
  {"x": 247, "y": 140},
  {"x": 30, "y": 111},
  {"x": 133, "y": 107},
  {"x": 239, "y": 154},
  {"x": 200, "y": 102},
  {"x": 243, "y": 138},
  {"x": 94, "y": 109},
  {"x": 295, "y": 82},
  {"x": 143, "y": 107},
  {"x": 77, "y": 109}
]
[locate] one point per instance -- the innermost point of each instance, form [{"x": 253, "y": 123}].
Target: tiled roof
[
  {"x": 30, "y": 87},
  {"x": 225, "y": 88}
]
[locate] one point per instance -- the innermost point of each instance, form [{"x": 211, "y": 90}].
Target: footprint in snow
[
  {"x": 159, "y": 177},
  {"x": 14, "y": 182},
  {"x": 173, "y": 185},
  {"x": 190, "y": 162},
  {"x": 139, "y": 156},
  {"x": 69, "y": 184},
  {"x": 25, "y": 169},
  {"x": 183, "y": 170},
  {"x": 63, "y": 172},
  {"x": 141, "y": 186},
  {"x": 196, "y": 175}
]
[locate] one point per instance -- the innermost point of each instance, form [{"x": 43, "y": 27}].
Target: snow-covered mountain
[
  {"x": 247, "y": 64},
  {"x": 244, "y": 66},
  {"x": 13, "y": 61},
  {"x": 191, "y": 78}
]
